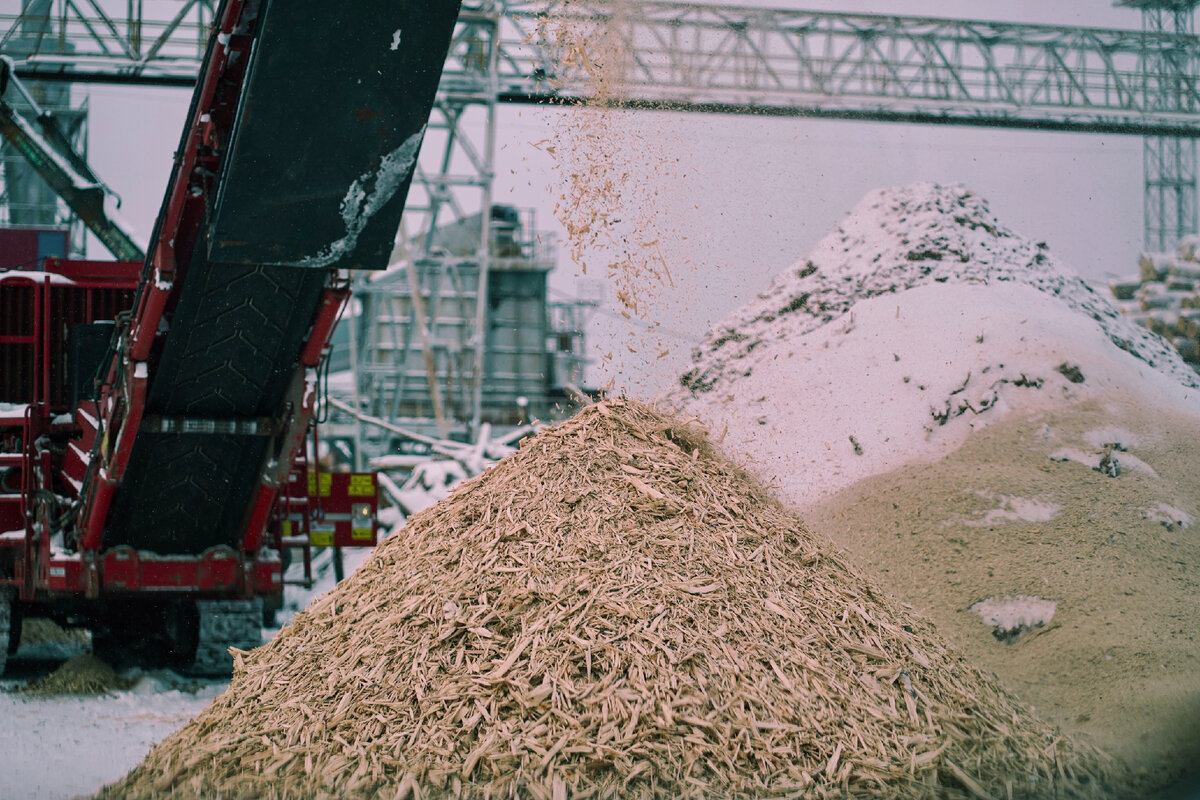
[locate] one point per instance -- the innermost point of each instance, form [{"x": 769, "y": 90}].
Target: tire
[{"x": 6, "y": 615}]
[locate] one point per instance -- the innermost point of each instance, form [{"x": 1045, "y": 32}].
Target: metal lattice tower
[
  {"x": 25, "y": 199},
  {"x": 1169, "y": 162},
  {"x": 457, "y": 329}
]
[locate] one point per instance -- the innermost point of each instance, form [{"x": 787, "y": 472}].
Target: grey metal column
[{"x": 1169, "y": 162}]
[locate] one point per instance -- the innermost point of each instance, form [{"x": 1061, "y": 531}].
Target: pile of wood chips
[
  {"x": 612, "y": 612},
  {"x": 83, "y": 674},
  {"x": 1165, "y": 297}
]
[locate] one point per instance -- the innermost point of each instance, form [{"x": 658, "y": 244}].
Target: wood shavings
[
  {"x": 610, "y": 651},
  {"x": 84, "y": 674}
]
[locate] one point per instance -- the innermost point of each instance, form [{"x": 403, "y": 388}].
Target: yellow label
[
  {"x": 321, "y": 538},
  {"x": 287, "y": 527},
  {"x": 326, "y": 484},
  {"x": 360, "y": 534},
  {"x": 362, "y": 486}
]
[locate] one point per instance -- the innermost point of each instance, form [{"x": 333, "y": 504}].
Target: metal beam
[
  {"x": 83, "y": 41},
  {"x": 50, "y": 154},
  {"x": 689, "y": 57},
  {"x": 856, "y": 66}
]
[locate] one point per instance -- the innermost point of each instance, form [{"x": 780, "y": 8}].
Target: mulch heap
[
  {"x": 613, "y": 612},
  {"x": 83, "y": 674}
]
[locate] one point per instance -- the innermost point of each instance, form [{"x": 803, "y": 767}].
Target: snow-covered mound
[
  {"x": 903, "y": 238},
  {"x": 918, "y": 319}
]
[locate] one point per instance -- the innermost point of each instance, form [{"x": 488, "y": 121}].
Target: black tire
[
  {"x": 16, "y": 624},
  {"x": 5, "y": 625}
]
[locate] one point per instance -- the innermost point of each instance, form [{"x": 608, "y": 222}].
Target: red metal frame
[
  {"x": 92, "y": 290},
  {"x": 89, "y": 468},
  {"x": 44, "y": 304}
]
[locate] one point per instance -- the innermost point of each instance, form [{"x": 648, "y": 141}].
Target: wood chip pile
[
  {"x": 612, "y": 612},
  {"x": 1165, "y": 297},
  {"x": 83, "y": 674}
]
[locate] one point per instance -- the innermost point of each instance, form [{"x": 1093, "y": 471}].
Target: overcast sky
[{"x": 748, "y": 196}]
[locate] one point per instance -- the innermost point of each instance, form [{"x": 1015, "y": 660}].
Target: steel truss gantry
[
  {"x": 860, "y": 66},
  {"x": 705, "y": 58},
  {"x": 760, "y": 60}
]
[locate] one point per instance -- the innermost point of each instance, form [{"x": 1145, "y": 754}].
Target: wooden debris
[
  {"x": 1165, "y": 297},
  {"x": 620, "y": 646},
  {"x": 83, "y": 674}
]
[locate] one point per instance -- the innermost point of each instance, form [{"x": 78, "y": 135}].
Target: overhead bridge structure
[
  {"x": 694, "y": 58},
  {"x": 697, "y": 57}
]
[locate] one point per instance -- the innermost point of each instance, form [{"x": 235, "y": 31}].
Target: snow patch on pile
[
  {"x": 1110, "y": 462},
  {"x": 1012, "y": 615},
  {"x": 1168, "y": 516},
  {"x": 1009, "y": 509},
  {"x": 1112, "y": 436},
  {"x": 916, "y": 321}
]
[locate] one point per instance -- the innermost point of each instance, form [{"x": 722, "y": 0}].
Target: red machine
[{"x": 153, "y": 415}]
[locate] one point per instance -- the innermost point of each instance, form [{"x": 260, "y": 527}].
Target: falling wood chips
[{"x": 612, "y": 612}]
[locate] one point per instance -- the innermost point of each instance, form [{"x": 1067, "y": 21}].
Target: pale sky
[{"x": 747, "y": 196}]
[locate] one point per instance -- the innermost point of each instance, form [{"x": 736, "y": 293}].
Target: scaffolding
[{"x": 26, "y": 200}]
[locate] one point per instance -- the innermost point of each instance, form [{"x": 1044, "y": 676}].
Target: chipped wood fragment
[{"x": 607, "y": 650}]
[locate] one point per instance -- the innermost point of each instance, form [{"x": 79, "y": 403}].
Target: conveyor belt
[
  {"x": 313, "y": 177},
  {"x": 235, "y": 341}
]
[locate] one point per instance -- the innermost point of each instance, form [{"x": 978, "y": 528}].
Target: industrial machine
[{"x": 153, "y": 415}]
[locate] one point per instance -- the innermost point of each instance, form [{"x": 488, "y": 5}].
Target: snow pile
[
  {"x": 900, "y": 239},
  {"x": 918, "y": 319},
  {"x": 614, "y": 611}
]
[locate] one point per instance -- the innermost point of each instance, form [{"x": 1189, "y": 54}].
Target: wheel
[
  {"x": 16, "y": 624},
  {"x": 6, "y": 615},
  {"x": 150, "y": 632},
  {"x": 190, "y": 636},
  {"x": 225, "y": 624}
]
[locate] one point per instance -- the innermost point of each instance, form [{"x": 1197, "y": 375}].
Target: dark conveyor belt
[
  {"x": 240, "y": 330},
  {"x": 313, "y": 179}
]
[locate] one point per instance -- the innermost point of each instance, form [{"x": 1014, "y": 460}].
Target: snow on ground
[
  {"x": 919, "y": 319},
  {"x": 61, "y": 747},
  {"x": 56, "y": 748}
]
